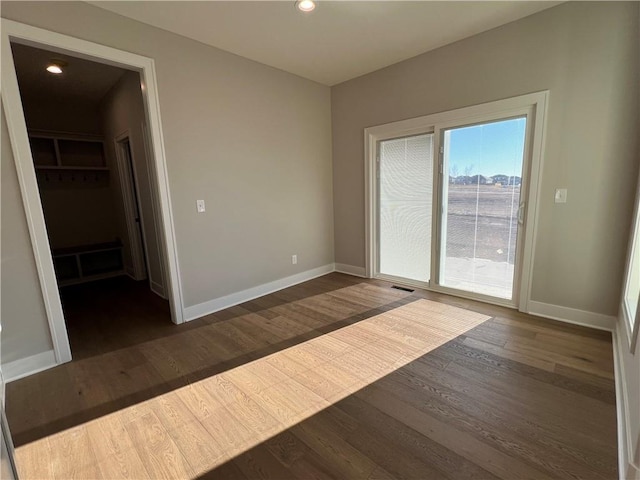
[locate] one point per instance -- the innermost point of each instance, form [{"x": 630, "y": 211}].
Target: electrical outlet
[
  {"x": 200, "y": 206},
  {"x": 294, "y": 259}
]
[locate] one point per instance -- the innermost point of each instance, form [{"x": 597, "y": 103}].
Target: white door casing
[{"x": 16, "y": 125}]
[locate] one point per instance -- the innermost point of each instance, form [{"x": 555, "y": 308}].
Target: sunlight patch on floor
[{"x": 191, "y": 430}]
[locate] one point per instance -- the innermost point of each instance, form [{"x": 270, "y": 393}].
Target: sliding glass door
[
  {"x": 405, "y": 186},
  {"x": 482, "y": 209},
  {"x": 479, "y": 212},
  {"x": 449, "y": 196}
]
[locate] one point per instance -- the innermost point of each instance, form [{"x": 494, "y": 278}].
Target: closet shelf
[{"x": 72, "y": 168}]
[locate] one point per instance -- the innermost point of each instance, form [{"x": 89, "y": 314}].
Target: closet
[{"x": 68, "y": 164}]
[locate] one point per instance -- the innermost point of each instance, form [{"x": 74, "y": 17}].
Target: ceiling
[
  {"x": 81, "y": 80},
  {"x": 338, "y": 41}
]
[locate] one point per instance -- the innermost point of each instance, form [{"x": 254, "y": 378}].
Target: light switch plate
[
  {"x": 200, "y": 205},
  {"x": 561, "y": 195}
]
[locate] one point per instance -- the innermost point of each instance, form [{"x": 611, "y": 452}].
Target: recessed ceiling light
[
  {"x": 55, "y": 66},
  {"x": 54, "y": 69},
  {"x": 305, "y": 5}
]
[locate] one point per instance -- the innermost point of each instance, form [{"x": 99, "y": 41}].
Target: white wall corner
[
  {"x": 28, "y": 366},
  {"x": 217, "y": 304},
  {"x": 351, "y": 270},
  {"x": 599, "y": 321}
]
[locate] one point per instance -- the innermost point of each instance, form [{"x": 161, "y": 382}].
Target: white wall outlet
[
  {"x": 294, "y": 259},
  {"x": 561, "y": 195},
  {"x": 200, "y": 206}
]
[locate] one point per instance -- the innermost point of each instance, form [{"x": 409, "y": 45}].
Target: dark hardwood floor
[
  {"x": 112, "y": 314},
  {"x": 339, "y": 377}
]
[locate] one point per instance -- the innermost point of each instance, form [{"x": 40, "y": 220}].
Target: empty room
[{"x": 330, "y": 239}]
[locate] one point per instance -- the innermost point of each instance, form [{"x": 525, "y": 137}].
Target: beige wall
[
  {"x": 25, "y": 330},
  {"x": 252, "y": 141},
  {"x": 586, "y": 55},
  {"x": 122, "y": 111}
]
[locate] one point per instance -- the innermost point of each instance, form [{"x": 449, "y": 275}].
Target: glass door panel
[
  {"x": 632, "y": 287},
  {"x": 405, "y": 187},
  {"x": 481, "y": 202}
]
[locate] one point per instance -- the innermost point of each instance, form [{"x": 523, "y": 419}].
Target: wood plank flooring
[{"x": 338, "y": 377}]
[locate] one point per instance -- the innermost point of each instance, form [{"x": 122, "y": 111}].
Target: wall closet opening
[{"x": 89, "y": 143}]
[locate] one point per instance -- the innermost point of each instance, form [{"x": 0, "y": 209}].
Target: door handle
[{"x": 521, "y": 213}]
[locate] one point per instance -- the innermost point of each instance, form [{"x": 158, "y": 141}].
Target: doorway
[
  {"x": 89, "y": 181},
  {"x": 16, "y": 33},
  {"x": 452, "y": 197},
  {"x": 131, "y": 207}
]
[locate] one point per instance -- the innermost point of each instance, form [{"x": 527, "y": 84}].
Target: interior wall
[
  {"x": 252, "y": 141},
  {"x": 25, "y": 330},
  {"x": 122, "y": 110},
  {"x": 585, "y": 53}
]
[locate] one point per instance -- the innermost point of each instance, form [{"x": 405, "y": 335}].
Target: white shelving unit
[
  {"x": 86, "y": 263},
  {"x": 68, "y": 154}
]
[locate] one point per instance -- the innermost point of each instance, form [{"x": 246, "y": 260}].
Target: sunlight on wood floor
[{"x": 193, "y": 429}]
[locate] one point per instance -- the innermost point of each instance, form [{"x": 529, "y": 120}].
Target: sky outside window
[{"x": 488, "y": 149}]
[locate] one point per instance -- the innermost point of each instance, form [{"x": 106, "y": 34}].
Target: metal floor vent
[{"x": 404, "y": 289}]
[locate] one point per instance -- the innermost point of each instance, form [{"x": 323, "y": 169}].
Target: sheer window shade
[{"x": 405, "y": 189}]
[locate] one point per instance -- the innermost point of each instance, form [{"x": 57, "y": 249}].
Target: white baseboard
[
  {"x": 351, "y": 270},
  {"x": 573, "y": 315},
  {"x": 215, "y": 305},
  {"x": 28, "y": 366}
]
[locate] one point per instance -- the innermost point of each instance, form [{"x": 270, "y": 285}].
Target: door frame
[
  {"x": 128, "y": 182},
  {"x": 24, "y": 34},
  {"x": 631, "y": 319},
  {"x": 434, "y": 123}
]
